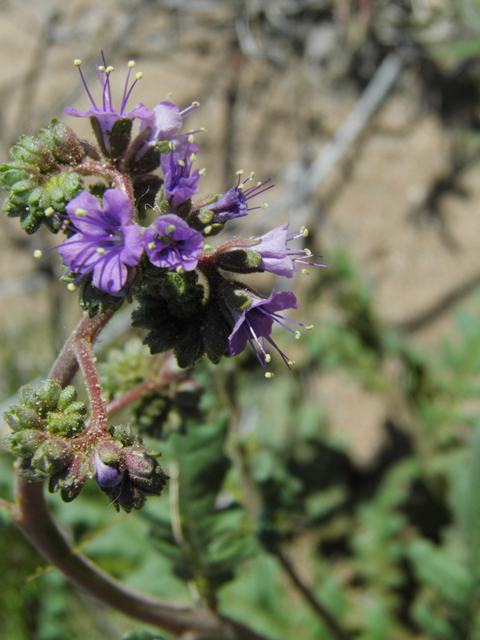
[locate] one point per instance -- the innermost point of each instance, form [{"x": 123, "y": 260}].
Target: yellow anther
[
  {"x": 49, "y": 211},
  {"x": 170, "y": 229},
  {"x": 203, "y": 129},
  {"x": 241, "y": 185},
  {"x": 239, "y": 172},
  {"x": 207, "y": 247},
  {"x": 109, "y": 69},
  {"x": 131, "y": 64},
  {"x": 307, "y": 252},
  {"x": 169, "y": 95},
  {"x": 193, "y": 157},
  {"x": 264, "y": 206},
  {"x": 71, "y": 286},
  {"x": 259, "y": 184},
  {"x": 37, "y": 254},
  {"x": 207, "y": 230},
  {"x": 195, "y": 104},
  {"x": 139, "y": 75},
  {"x": 191, "y": 139},
  {"x": 100, "y": 251},
  {"x": 291, "y": 362},
  {"x": 203, "y": 171},
  {"x": 306, "y": 272},
  {"x": 269, "y": 374},
  {"x": 151, "y": 245},
  {"x": 252, "y": 175},
  {"x": 181, "y": 163},
  {"x": 171, "y": 145},
  {"x": 305, "y": 233},
  {"x": 268, "y": 357},
  {"x": 80, "y": 213},
  {"x": 179, "y": 269},
  {"x": 309, "y": 328},
  {"x": 101, "y": 68},
  {"x": 297, "y": 335},
  {"x": 77, "y": 62}
]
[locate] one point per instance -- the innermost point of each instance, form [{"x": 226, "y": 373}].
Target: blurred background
[{"x": 359, "y": 472}]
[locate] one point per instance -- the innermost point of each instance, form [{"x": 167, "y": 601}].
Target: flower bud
[
  {"x": 24, "y": 443},
  {"x": 52, "y": 456},
  {"x": 107, "y": 475}
]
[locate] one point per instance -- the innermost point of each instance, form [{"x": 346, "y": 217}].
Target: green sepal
[
  {"x": 119, "y": 136},
  {"x": 19, "y": 418},
  {"x": 90, "y": 298},
  {"x": 97, "y": 130},
  {"x": 240, "y": 260},
  {"x": 24, "y": 443},
  {"x": 51, "y": 457}
]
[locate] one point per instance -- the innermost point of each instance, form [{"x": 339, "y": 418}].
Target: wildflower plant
[{"x": 136, "y": 234}]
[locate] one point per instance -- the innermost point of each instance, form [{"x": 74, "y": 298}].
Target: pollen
[
  {"x": 179, "y": 269},
  {"x": 37, "y": 254},
  {"x": 239, "y": 172},
  {"x": 170, "y": 229},
  {"x": 269, "y": 374},
  {"x": 100, "y": 251},
  {"x": 207, "y": 247},
  {"x": 195, "y": 104},
  {"x": 203, "y": 171},
  {"x": 49, "y": 211},
  {"x": 193, "y": 157},
  {"x": 191, "y": 139},
  {"x": 131, "y": 64},
  {"x": 77, "y": 62},
  {"x": 81, "y": 213},
  {"x": 264, "y": 206},
  {"x": 207, "y": 230},
  {"x": 298, "y": 335},
  {"x": 139, "y": 75},
  {"x": 181, "y": 163},
  {"x": 291, "y": 362},
  {"x": 109, "y": 69},
  {"x": 268, "y": 357},
  {"x": 71, "y": 286},
  {"x": 306, "y": 272},
  {"x": 310, "y": 327},
  {"x": 151, "y": 245}
]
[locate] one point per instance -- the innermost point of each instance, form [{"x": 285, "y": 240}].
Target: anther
[
  {"x": 37, "y": 254},
  {"x": 170, "y": 229},
  {"x": 179, "y": 269},
  {"x": 207, "y": 230},
  {"x": 191, "y": 139},
  {"x": 71, "y": 286},
  {"x": 203, "y": 129},
  {"x": 109, "y": 69},
  {"x": 306, "y": 272},
  {"x": 206, "y": 247},
  {"x": 298, "y": 335},
  {"x": 100, "y": 251},
  {"x": 77, "y": 62},
  {"x": 309, "y": 328},
  {"x": 268, "y": 357},
  {"x": 269, "y": 374},
  {"x": 241, "y": 185},
  {"x": 291, "y": 362},
  {"x": 264, "y": 206},
  {"x": 307, "y": 252},
  {"x": 195, "y": 104},
  {"x": 131, "y": 64},
  {"x": 49, "y": 211},
  {"x": 202, "y": 172},
  {"x": 151, "y": 245},
  {"x": 80, "y": 213},
  {"x": 139, "y": 75},
  {"x": 193, "y": 157},
  {"x": 239, "y": 172},
  {"x": 101, "y": 68},
  {"x": 181, "y": 163}
]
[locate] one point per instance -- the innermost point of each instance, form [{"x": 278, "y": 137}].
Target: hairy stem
[{"x": 87, "y": 361}]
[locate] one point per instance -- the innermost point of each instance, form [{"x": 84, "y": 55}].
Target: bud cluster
[
  {"x": 48, "y": 434},
  {"x": 113, "y": 255}
]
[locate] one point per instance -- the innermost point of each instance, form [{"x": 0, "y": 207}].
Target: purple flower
[
  {"x": 106, "y": 114},
  {"x": 277, "y": 257},
  {"x": 254, "y": 325},
  {"x": 164, "y": 120},
  {"x": 108, "y": 476},
  {"x": 172, "y": 244},
  {"x": 178, "y": 184},
  {"x": 106, "y": 241},
  {"x": 233, "y": 203}
]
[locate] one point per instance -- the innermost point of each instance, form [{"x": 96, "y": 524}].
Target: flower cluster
[{"x": 111, "y": 249}]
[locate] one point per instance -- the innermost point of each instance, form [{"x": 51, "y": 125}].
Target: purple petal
[{"x": 117, "y": 206}]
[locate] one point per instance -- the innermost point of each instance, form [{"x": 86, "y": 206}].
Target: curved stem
[{"x": 86, "y": 359}]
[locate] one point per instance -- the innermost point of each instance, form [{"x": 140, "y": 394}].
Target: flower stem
[{"x": 86, "y": 359}]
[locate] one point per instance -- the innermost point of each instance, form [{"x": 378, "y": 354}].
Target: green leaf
[{"x": 141, "y": 634}]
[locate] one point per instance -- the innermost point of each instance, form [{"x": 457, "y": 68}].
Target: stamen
[
  {"x": 207, "y": 230},
  {"x": 49, "y": 211},
  {"x": 100, "y": 251},
  {"x": 239, "y": 172},
  {"x": 268, "y": 357},
  {"x": 71, "y": 286},
  {"x": 291, "y": 363},
  {"x": 170, "y": 229},
  {"x": 179, "y": 269},
  {"x": 37, "y": 254},
  {"x": 131, "y": 64},
  {"x": 269, "y": 375},
  {"x": 77, "y": 62},
  {"x": 264, "y": 206},
  {"x": 305, "y": 272},
  {"x": 151, "y": 245},
  {"x": 191, "y": 139},
  {"x": 206, "y": 247},
  {"x": 80, "y": 213},
  {"x": 298, "y": 335},
  {"x": 202, "y": 172}
]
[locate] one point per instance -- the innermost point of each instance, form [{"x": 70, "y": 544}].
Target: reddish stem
[{"x": 86, "y": 359}]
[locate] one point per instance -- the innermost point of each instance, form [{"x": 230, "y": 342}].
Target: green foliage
[{"x": 90, "y": 298}]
